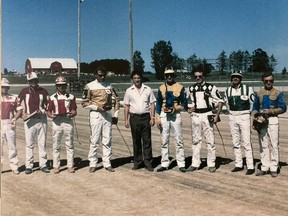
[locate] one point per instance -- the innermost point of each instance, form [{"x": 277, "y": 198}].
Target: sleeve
[
  {"x": 251, "y": 97},
  {"x": 85, "y": 96},
  {"x": 126, "y": 98},
  {"x": 117, "y": 102},
  {"x": 159, "y": 101},
  {"x": 50, "y": 107},
  {"x": 225, "y": 98},
  {"x": 281, "y": 103},
  {"x": 256, "y": 105},
  {"x": 152, "y": 97},
  {"x": 183, "y": 101},
  {"x": 73, "y": 105}
]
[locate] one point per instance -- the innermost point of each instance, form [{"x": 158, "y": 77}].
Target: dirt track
[{"x": 128, "y": 192}]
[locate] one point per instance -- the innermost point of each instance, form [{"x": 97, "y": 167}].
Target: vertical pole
[
  {"x": 78, "y": 74},
  {"x": 131, "y": 36}
]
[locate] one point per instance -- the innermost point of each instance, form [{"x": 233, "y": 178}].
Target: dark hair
[
  {"x": 266, "y": 74},
  {"x": 136, "y": 72},
  {"x": 101, "y": 68}
]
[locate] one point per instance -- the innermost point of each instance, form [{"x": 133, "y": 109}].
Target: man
[
  {"x": 268, "y": 104},
  {"x": 139, "y": 113},
  {"x": 35, "y": 99},
  {"x": 239, "y": 100},
  {"x": 205, "y": 98},
  {"x": 11, "y": 110},
  {"x": 97, "y": 97},
  {"x": 62, "y": 109},
  {"x": 171, "y": 100}
]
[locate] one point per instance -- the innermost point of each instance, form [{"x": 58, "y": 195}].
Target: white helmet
[
  {"x": 31, "y": 76},
  {"x": 60, "y": 80},
  {"x": 5, "y": 82},
  {"x": 169, "y": 71}
]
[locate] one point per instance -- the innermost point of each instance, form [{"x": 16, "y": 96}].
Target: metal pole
[
  {"x": 79, "y": 45},
  {"x": 131, "y": 36}
]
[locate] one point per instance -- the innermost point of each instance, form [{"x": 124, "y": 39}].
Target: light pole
[
  {"x": 131, "y": 36},
  {"x": 79, "y": 39}
]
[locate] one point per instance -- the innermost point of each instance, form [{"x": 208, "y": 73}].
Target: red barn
[{"x": 51, "y": 65}]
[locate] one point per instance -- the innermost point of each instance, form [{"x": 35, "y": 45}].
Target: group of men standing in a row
[{"x": 142, "y": 110}]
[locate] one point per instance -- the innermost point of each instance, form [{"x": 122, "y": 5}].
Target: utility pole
[
  {"x": 131, "y": 36},
  {"x": 79, "y": 43}
]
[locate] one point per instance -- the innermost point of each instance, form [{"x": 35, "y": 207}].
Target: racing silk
[
  {"x": 173, "y": 96},
  {"x": 239, "y": 100},
  {"x": 100, "y": 94},
  {"x": 273, "y": 99},
  {"x": 34, "y": 99},
  {"x": 204, "y": 97},
  {"x": 9, "y": 105},
  {"x": 61, "y": 104}
]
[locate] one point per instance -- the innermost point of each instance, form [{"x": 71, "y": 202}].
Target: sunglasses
[
  {"x": 267, "y": 81},
  {"x": 101, "y": 75},
  {"x": 200, "y": 77}
]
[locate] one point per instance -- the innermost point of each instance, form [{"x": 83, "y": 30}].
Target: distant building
[{"x": 51, "y": 65}]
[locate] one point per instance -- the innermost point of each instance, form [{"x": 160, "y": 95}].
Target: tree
[
  {"x": 138, "y": 61},
  {"x": 246, "y": 61},
  {"x": 204, "y": 66},
  {"x": 236, "y": 60},
  {"x": 161, "y": 55},
  {"x": 5, "y": 71},
  {"x": 260, "y": 61},
  {"x": 272, "y": 63},
  {"x": 177, "y": 63},
  {"x": 221, "y": 62},
  {"x": 192, "y": 62},
  {"x": 284, "y": 71}
]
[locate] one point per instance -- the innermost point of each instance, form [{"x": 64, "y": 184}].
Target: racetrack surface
[{"x": 129, "y": 192}]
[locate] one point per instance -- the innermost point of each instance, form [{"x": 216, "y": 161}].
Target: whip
[
  {"x": 76, "y": 130},
  {"x": 123, "y": 139}
]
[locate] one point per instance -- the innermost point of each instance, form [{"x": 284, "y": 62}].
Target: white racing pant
[
  {"x": 200, "y": 123},
  {"x": 101, "y": 132},
  {"x": 172, "y": 121},
  {"x": 63, "y": 126},
  {"x": 36, "y": 130},
  {"x": 270, "y": 153},
  {"x": 8, "y": 136},
  {"x": 240, "y": 131}
]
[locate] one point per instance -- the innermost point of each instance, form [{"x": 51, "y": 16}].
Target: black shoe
[
  {"x": 250, "y": 171},
  {"x": 150, "y": 169},
  {"x": 192, "y": 169},
  {"x": 28, "y": 171},
  {"x": 182, "y": 169},
  {"x": 110, "y": 169},
  {"x": 237, "y": 169},
  {"x": 45, "y": 169},
  {"x": 92, "y": 169},
  {"x": 162, "y": 169},
  {"x": 261, "y": 173},
  {"x": 212, "y": 169},
  {"x": 273, "y": 174}
]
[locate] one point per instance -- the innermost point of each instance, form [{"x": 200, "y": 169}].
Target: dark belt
[
  {"x": 202, "y": 110},
  {"x": 139, "y": 115}
]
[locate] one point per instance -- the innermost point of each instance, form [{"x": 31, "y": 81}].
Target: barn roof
[{"x": 46, "y": 62}]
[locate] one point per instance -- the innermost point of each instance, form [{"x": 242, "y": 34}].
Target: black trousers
[{"x": 141, "y": 135}]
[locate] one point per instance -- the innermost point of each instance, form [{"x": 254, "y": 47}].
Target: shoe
[
  {"x": 71, "y": 170},
  {"x": 149, "y": 168},
  {"x": 162, "y": 169},
  {"x": 191, "y": 169},
  {"x": 182, "y": 169},
  {"x": 261, "y": 173},
  {"x": 28, "y": 171},
  {"x": 212, "y": 169},
  {"x": 135, "y": 168},
  {"x": 56, "y": 170},
  {"x": 16, "y": 172},
  {"x": 45, "y": 169},
  {"x": 110, "y": 169},
  {"x": 237, "y": 169},
  {"x": 92, "y": 169},
  {"x": 273, "y": 174},
  {"x": 250, "y": 171}
]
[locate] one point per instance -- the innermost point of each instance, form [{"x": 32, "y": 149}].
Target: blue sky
[{"x": 48, "y": 28}]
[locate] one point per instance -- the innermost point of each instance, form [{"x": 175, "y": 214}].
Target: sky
[{"x": 48, "y": 28}]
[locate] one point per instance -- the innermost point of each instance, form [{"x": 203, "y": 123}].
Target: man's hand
[{"x": 114, "y": 120}]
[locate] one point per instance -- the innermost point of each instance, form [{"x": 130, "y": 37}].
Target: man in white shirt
[
  {"x": 139, "y": 114},
  {"x": 239, "y": 100}
]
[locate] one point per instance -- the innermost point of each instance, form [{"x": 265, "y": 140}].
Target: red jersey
[
  {"x": 9, "y": 105},
  {"x": 62, "y": 104},
  {"x": 34, "y": 99}
]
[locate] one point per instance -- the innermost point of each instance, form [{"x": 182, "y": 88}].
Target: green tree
[
  {"x": 260, "y": 61},
  {"x": 177, "y": 63},
  {"x": 138, "y": 61},
  {"x": 221, "y": 62},
  {"x": 272, "y": 62},
  {"x": 5, "y": 71},
  {"x": 161, "y": 55},
  {"x": 204, "y": 66},
  {"x": 284, "y": 72},
  {"x": 246, "y": 61},
  {"x": 192, "y": 62}
]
